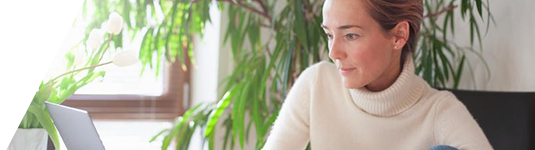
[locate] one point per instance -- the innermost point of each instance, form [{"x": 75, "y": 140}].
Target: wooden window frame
[{"x": 135, "y": 107}]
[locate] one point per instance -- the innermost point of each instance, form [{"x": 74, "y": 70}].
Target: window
[
  {"x": 126, "y": 81},
  {"x": 109, "y": 100},
  {"x": 123, "y": 93}
]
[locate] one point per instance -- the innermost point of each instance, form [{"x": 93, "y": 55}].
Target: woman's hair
[{"x": 389, "y": 12}]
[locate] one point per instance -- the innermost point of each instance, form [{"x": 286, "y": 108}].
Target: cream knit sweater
[{"x": 409, "y": 115}]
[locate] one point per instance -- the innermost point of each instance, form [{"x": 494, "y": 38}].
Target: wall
[{"x": 508, "y": 49}]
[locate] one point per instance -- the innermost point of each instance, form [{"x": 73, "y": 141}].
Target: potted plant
[
  {"x": 267, "y": 67},
  {"x": 164, "y": 34},
  {"x": 81, "y": 61}
]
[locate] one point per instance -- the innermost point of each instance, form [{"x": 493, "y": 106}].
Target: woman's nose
[{"x": 336, "y": 51}]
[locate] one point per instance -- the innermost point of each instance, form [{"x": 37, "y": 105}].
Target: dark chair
[{"x": 507, "y": 118}]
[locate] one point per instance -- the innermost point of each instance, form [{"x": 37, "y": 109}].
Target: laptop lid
[{"x": 75, "y": 127}]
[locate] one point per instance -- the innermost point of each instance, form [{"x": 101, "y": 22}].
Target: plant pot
[{"x": 29, "y": 139}]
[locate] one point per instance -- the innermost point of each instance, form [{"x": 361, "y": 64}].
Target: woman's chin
[{"x": 351, "y": 84}]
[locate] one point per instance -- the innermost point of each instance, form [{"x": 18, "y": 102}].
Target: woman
[{"x": 370, "y": 99}]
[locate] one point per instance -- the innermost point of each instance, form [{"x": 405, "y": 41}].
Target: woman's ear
[{"x": 400, "y": 34}]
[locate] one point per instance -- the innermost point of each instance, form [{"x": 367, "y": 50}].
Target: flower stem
[
  {"x": 81, "y": 69},
  {"x": 106, "y": 48}
]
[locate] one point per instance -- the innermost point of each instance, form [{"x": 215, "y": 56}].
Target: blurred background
[{"x": 213, "y": 74}]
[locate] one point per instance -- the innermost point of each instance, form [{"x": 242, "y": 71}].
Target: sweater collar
[{"x": 400, "y": 96}]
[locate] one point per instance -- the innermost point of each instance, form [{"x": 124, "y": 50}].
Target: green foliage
[
  {"x": 56, "y": 91},
  {"x": 438, "y": 59},
  {"x": 61, "y": 87},
  {"x": 264, "y": 74},
  {"x": 166, "y": 26}
]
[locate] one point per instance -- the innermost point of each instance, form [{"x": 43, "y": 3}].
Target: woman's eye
[{"x": 351, "y": 36}]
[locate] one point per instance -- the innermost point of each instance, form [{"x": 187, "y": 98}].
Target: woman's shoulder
[
  {"x": 445, "y": 98},
  {"x": 441, "y": 99},
  {"x": 437, "y": 98},
  {"x": 446, "y": 106},
  {"x": 455, "y": 125},
  {"x": 441, "y": 102}
]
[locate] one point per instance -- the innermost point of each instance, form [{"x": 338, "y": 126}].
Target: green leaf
[
  {"x": 70, "y": 59},
  {"x": 46, "y": 122},
  {"x": 445, "y": 63},
  {"x": 167, "y": 139},
  {"x": 239, "y": 113},
  {"x": 126, "y": 12},
  {"x": 464, "y": 7},
  {"x": 44, "y": 92},
  {"x": 225, "y": 142},
  {"x": 479, "y": 6},
  {"x": 90, "y": 77},
  {"x": 221, "y": 106},
  {"x": 457, "y": 77},
  {"x": 300, "y": 26},
  {"x": 183, "y": 123},
  {"x": 158, "y": 134},
  {"x": 427, "y": 66}
]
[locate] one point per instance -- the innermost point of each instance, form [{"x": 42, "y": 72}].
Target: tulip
[
  {"x": 125, "y": 58},
  {"x": 95, "y": 38},
  {"x": 122, "y": 59},
  {"x": 115, "y": 23}
]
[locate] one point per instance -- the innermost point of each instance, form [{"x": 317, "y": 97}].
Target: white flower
[
  {"x": 104, "y": 26},
  {"x": 125, "y": 58},
  {"x": 115, "y": 23},
  {"x": 95, "y": 38}
]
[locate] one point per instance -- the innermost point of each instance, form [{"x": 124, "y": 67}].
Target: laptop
[{"x": 75, "y": 127}]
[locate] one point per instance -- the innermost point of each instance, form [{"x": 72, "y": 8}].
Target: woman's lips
[{"x": 346, "y": 71}]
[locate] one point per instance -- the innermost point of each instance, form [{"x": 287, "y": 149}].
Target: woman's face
[{"x": 362, "y": 51}]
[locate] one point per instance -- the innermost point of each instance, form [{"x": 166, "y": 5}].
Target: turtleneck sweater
[{"x": 408, "y": 115}]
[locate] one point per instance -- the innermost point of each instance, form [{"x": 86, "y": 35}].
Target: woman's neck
[{"x": 386, "y": 79}]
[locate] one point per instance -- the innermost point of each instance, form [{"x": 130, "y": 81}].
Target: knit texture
[
  {"x": 408, "y": 115},
  {"x": 397, "y": 98}
]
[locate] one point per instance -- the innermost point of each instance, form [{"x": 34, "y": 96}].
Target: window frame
[{"x": 171, "y": 104}]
